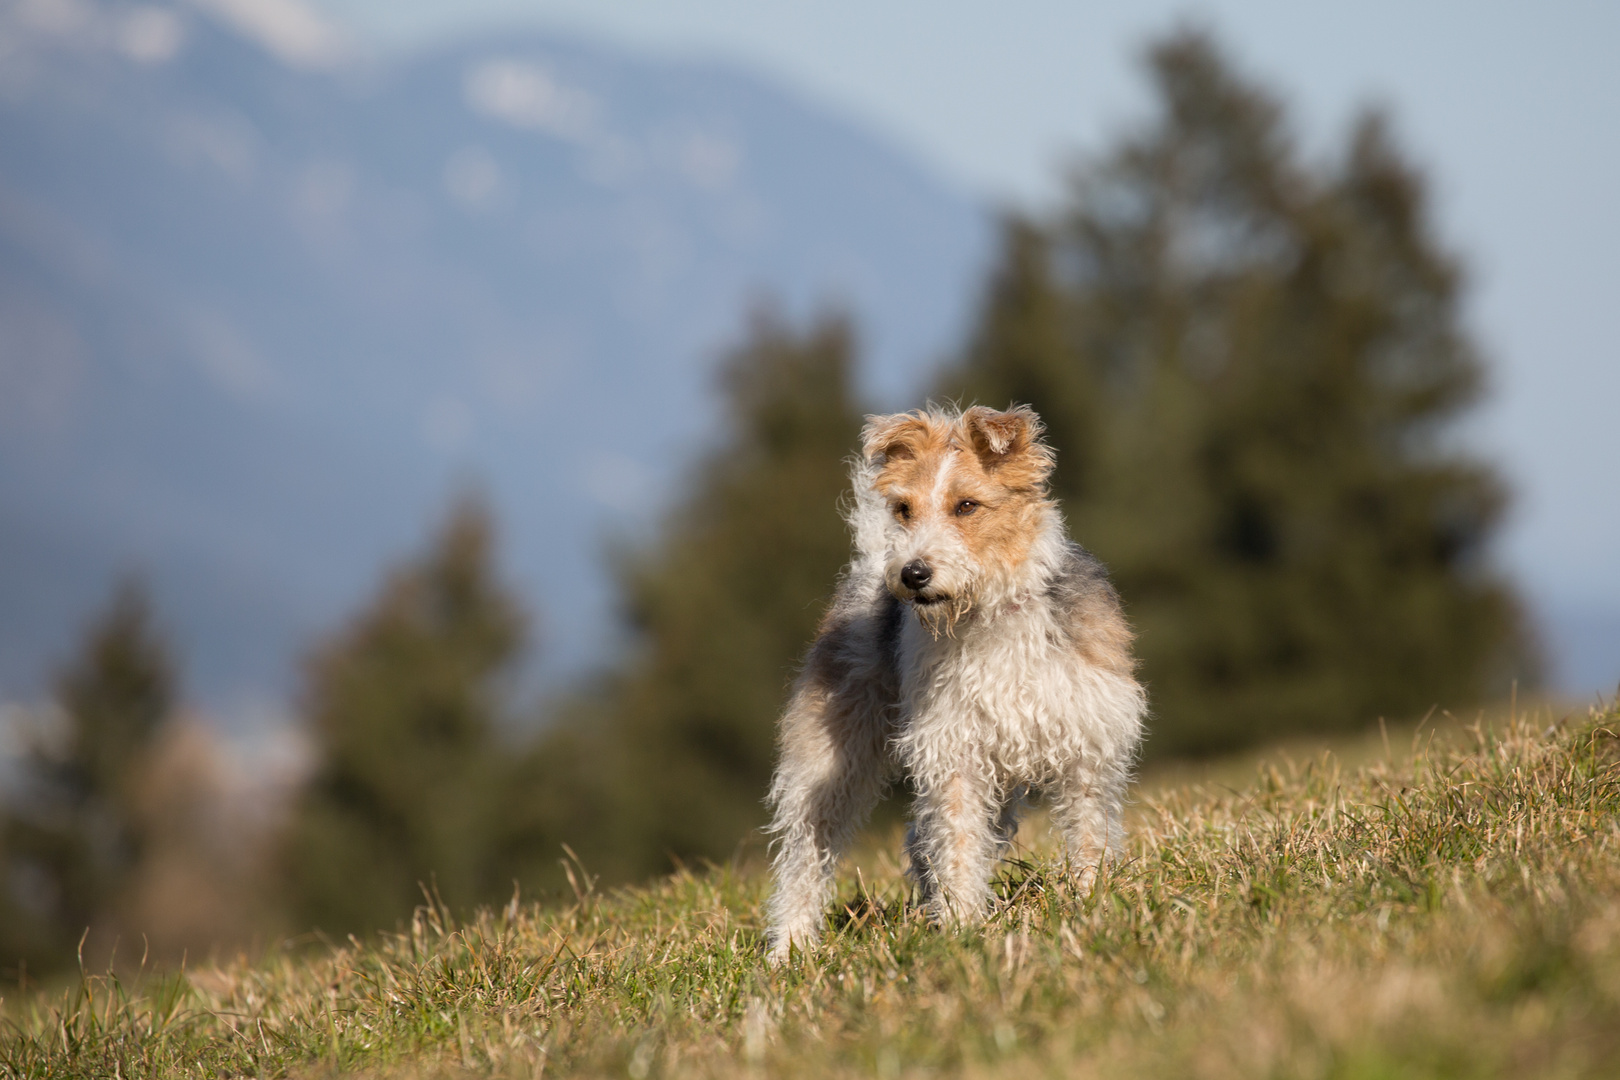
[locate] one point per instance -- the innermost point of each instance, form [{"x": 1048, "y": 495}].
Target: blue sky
[{"x": 1514, "y": 110}]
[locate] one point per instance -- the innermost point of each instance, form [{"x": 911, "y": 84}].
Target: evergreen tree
[
  {"x": 73, "y": 837},
  {"x": 1246, "y": 366},
  {"x": 403, "y": 707},
  {"x": 678, "y": 744}
]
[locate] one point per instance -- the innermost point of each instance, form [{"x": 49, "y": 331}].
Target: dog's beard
[{"x": 942, "y": 616}]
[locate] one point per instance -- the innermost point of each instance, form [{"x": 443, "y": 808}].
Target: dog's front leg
[{"x": 954, "y": 844}]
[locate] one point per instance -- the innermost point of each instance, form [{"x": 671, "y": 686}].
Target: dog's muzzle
[
  {"x": 915, "y": 574},
  {"x": 914, "y": 579}
]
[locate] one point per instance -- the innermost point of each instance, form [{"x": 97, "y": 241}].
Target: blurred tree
[
  {"x": 404, "y": 707},
  {"x": 1247, "y": 368},
  {"x": 671, "y": 755},
  {"x": 72, "y": 838}
]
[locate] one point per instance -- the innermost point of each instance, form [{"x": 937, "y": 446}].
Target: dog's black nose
[{"x": 915, "y": 574}]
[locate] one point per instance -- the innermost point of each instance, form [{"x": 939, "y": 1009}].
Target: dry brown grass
[{"x": 1452, "y": 912}]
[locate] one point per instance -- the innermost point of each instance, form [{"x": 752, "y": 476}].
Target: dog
[{"x": 970, "y": 647}]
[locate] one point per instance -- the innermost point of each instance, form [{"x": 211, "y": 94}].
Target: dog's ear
[
  {"x": 1009, "y": 445},
  {"x": 892, "y": 438}
]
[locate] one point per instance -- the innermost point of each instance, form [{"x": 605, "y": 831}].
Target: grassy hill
[{"x": 1454, "y": 911}]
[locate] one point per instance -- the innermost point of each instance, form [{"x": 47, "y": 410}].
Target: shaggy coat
[{"x": 972, "y": 648}]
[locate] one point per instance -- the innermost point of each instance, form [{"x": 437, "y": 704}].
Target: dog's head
[{"x": 966, "y": 494}]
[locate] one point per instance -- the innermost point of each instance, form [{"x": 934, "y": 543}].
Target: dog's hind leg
[{"x": 834, "y": 765}]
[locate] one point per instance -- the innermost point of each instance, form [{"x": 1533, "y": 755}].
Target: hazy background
[
  {"x": 1510, "y": 108},
  {"x": 849, "y": 154}
]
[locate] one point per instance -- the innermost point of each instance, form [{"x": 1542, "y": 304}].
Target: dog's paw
[{"x": 778, "y": 953}]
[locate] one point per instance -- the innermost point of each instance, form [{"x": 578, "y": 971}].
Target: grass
[{"x": 1455, "y": 912}]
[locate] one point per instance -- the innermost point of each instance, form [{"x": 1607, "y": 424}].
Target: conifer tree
[
  {"x": 73, "y": 837},
  {"x": 679, "y": 742},
  {"x": 1245, "y": 365},
  {"x": 403, "y": 707}
]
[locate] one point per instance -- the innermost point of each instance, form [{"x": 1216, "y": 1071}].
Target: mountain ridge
[{"x": 266, "y": 319}]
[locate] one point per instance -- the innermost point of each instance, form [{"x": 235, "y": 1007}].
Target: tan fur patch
[
  {"x": 983, "y": 474},
  {"x": 1009, "y": 446},
  {"x": 896, "y": 437},
  {"x": 1103, "y": 637}
]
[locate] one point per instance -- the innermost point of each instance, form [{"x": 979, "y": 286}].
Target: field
[{"x": 1449, "y": 907}]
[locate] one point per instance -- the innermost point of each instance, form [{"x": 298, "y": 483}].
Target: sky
[{"x": 1512, "y": 109}]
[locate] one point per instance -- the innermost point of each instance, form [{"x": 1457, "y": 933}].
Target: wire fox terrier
[{"x": 970, "y": 646}]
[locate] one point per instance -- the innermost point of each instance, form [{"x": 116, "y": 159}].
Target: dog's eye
[
  {"x": 966, "y": 507},
  {"x": 903, "y": 511}
]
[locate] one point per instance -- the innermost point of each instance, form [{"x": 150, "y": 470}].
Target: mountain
[{"x": 263, "y": 310}]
